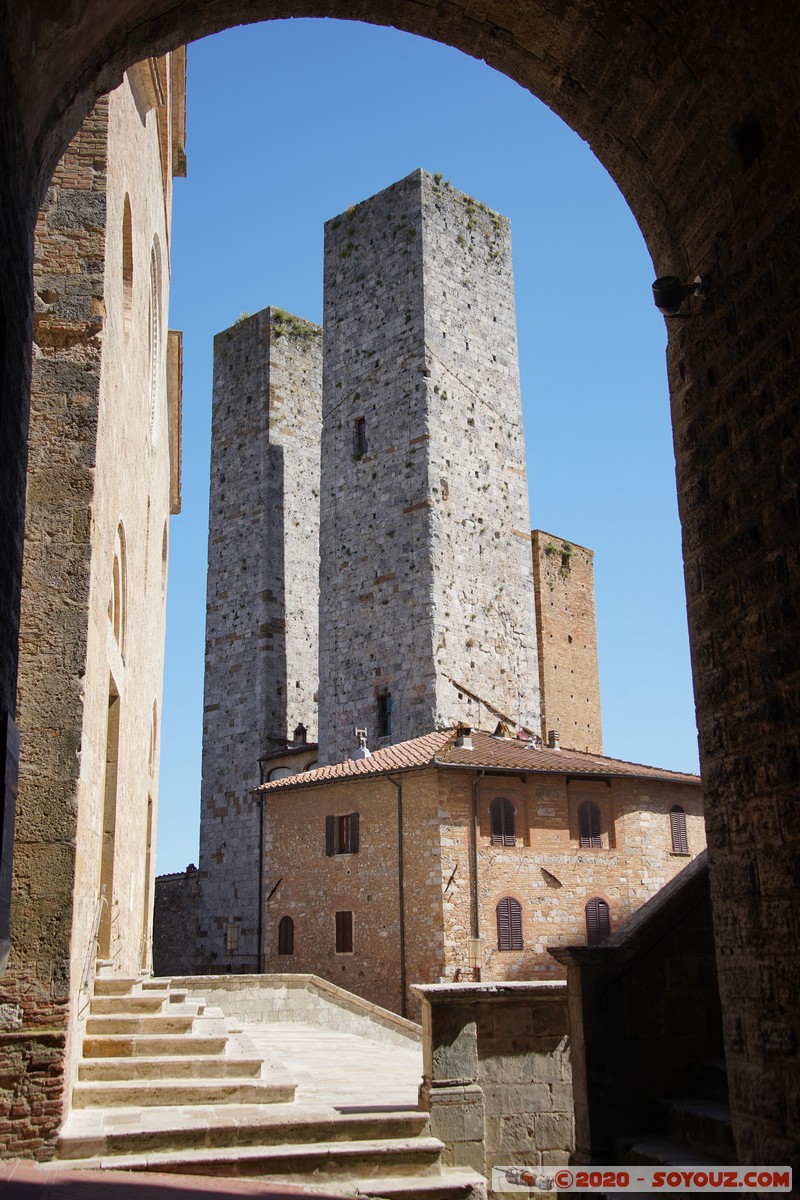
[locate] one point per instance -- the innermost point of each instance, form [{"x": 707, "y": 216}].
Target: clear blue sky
[{"x": 292, "y": 121}]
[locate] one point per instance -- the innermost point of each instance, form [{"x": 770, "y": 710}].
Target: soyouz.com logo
[{"x": 548, "y": 1181}]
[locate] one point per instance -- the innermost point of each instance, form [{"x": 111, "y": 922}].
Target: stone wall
[
  {"x": 645, "y": 1017},
  {"x": 93, "y": 600},
  {"x": 497, "y": 1079},
  {"x": 261, "y": 607},
  {"x": 426, "y": 576},
  {"x": 566, "y": 635},
  {"x": 175, "y": 923}
]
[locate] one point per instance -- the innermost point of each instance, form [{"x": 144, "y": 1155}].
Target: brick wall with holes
[
  {"x": 566, "y": 633},
  {"x": 541, "y": 865}
]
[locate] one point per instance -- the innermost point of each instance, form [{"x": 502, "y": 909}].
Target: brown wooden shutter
[
  {"x": 677, "y": 822},
  {"x": 589, "y": 824},
  {"x": 354, "y": 833},
  {"x": 344, "y": 932},
  {"x": 509, "y": 924},
  {"x": 502, "y": 815},
  {"x": 598, "y": 921},
  {"x": 286, "y": 936},
  {"x": 330, "y": 836}
]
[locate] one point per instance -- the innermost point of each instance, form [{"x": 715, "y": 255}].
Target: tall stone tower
[
  {"x": 261, "y": 607},
  {"x": 567, "y": 641},
  {"x": 427, "y": 610}
]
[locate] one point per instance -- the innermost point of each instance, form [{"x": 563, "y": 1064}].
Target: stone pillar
[{"x": 496, "y": 1073}]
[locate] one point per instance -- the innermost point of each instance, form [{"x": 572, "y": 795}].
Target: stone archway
[{"x": 692, "y": 109}]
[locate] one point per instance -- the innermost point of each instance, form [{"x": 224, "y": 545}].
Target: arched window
[
  {"x": 501, "y": 812},
  {"x": 286, "y": 936},
  {"x": 598, "y": 921},
  {"x": 116, "y": 604},
  {"x": 509, "y": 924},
  {"x": 677, "y": 824},
  {"x": 589, "y": 824}
]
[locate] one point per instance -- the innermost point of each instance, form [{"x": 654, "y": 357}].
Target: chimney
[
  {"x": 463, "y": 737},
  {"x": 553, "y": 739},
  {"x": 361, "y": 750}
]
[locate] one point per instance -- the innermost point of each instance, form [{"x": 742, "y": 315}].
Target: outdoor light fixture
[
  {"x": 474, "y": 953},
  {"x": 669, "y": 293}
]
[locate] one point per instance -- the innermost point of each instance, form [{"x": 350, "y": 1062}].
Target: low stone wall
[
  {"x": 299, "y": 998},
  {"x": 497, "y": 1079}
]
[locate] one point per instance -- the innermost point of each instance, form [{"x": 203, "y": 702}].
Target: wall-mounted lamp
[{"x": 669, "y": 293}]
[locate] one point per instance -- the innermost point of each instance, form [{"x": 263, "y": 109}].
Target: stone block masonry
[
  {"x": 426, "y": 579},
  {"x": 262, "y": 603}
]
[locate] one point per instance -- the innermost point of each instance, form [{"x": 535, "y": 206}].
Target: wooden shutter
[
  {"x": 502, "y": 816},
  {"x": 509, "y": 924},
  {"x": 344, "y": 932},
  {"x": 677, "y": 822},
  {"x": 286, "y": 936},
  {"x": 354, "y": 833},
  {"x": 589, "y": 824},
  {"x": 598, "y": 921},
  {"x": 330, "y": 836}
]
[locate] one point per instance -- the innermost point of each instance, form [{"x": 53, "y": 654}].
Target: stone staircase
[
  {"x": 694, "y": 1131},
  {"x": 171, "y": 1085}
]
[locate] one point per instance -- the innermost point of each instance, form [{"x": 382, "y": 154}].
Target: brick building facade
[{"x": 375, "y": 880}]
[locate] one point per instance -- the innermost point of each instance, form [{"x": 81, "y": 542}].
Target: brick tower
[
  {"x": 569, "y": 682},
  {"x": 427, "y": 612},
  {"x": 261, "y": 607}
]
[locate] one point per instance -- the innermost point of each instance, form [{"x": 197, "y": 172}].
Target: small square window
[{"x": 342, "y": 834}]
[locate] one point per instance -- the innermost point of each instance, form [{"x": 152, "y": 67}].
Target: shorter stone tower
[
  {"x": 261, "y": 606},
  {"x": 567, "y": 641},
  {"x": 427, "y": 603}
]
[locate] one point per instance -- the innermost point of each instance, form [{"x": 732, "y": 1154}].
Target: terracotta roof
[{"x": 489, "y": 752}]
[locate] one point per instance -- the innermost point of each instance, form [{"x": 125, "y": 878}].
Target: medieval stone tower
[
  {"x": 566, "y": 627},
  {"x": 427, "y": 610},
  {"x": 261, "y": 607}
]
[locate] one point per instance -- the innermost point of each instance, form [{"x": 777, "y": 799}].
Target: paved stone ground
[
  {"x": 341, "y": 1070},
  {"x": 33, "y": 1181}
]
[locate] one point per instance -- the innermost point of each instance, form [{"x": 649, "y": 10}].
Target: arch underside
[{"x": 692, "y": 108}]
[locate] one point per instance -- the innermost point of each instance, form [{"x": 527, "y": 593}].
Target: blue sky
[{"x": 290, "y": 122}]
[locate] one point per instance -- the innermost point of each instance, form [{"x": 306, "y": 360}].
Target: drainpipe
[
  {"x": 475, "y": 917},
  {"x": 401, "y": 896}
]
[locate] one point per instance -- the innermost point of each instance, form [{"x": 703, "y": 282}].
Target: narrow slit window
[
  {"x": 385, "y": 715},
  {"x": 360, "y": 436}
]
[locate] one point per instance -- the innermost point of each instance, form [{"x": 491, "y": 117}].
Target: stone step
[
  {"x": 87, "y": 1135},
  {"x": 128, "y": 1005},
  {"x": 711, "y": 1079},
  {"x": 118, "y": 1046},
  {"x": 134, "y": 1093},
  {"x": 144, "y": 1025},
  {"x": 654, "y": 1151},
  {"x": 113, "y": 985},
  {"x": 186, "y": 1067},
  {"x": 293, "y": 1163},
  {"x": 703, "y": 1125},
  {"x": 454, "y": 1183}
]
